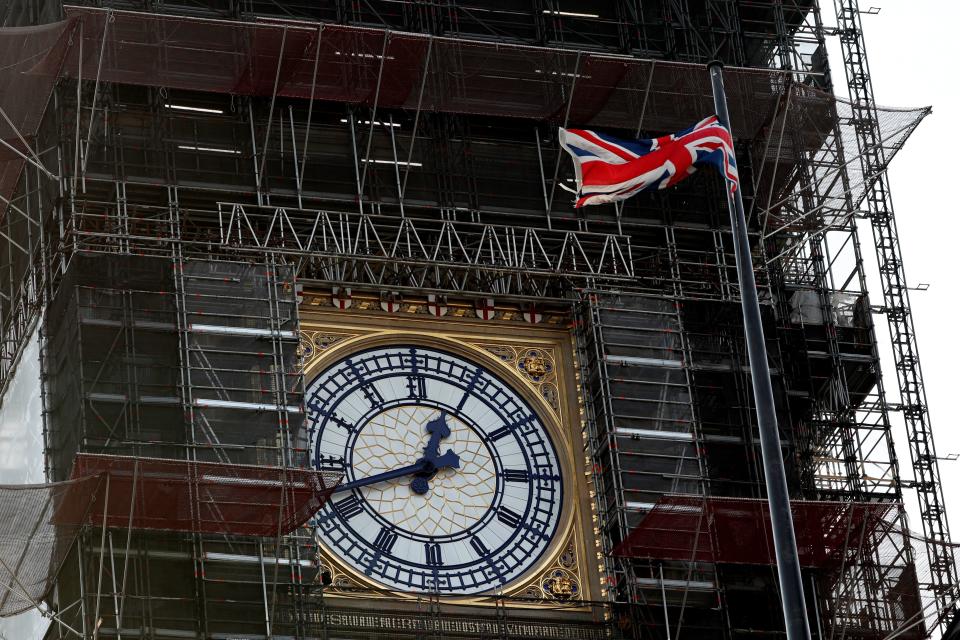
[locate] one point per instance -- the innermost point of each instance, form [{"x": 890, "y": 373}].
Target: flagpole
[{"x": 778, "y": 496}]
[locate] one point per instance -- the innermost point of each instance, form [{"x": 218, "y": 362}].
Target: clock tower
[{"x": 253, "y": 238}]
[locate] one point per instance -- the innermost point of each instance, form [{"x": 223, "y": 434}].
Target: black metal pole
[{"x": 778, "y": 496}]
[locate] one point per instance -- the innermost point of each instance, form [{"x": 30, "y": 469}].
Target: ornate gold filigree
[
  {"x": 561, "y": 580},
  {"x": 562, "y": 585},
  {"x": 340, "y": 582},
  {"x": 549, "y": 392},
  {"x": 536, "y": 366},
  {"x": 323, "y": 340},
  {"x": 504, "y": 352},
  {"x": 314, "y": 343},
  {"x": 533, "y": 592}
]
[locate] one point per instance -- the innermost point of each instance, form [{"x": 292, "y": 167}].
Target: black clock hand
[
  {"x": 423, "y": 469},
  {"x": 417, "y": 467},
  {"x": 448, "y": 460},
  {"x": 437, "y": 428},
  {"x": 420, "y": 468}
]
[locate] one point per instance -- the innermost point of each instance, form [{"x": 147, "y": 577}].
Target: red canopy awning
[
  {"x": 199, "y": 497},
  {"x": 363, "y": 65},
  {"x": 737, "y": 530}
]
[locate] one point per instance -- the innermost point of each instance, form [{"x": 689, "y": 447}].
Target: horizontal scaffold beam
[{"x": 442, "y": 242}]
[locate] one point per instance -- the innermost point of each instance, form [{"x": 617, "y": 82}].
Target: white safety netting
[
  {"x": 38, "y": 526},
  {"x": 812, "y": 177}
]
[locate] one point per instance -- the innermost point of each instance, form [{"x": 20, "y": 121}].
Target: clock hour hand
[
  {"x": 448, "y": 460},
  {"x": 438, "y": 429}
]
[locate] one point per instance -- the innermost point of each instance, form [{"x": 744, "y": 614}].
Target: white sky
[{"x": 911, "y": 47}]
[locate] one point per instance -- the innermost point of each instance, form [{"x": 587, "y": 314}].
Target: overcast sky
[{"x": 911, "y": 46}]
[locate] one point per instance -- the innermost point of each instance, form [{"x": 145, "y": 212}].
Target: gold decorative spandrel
[
  {"x": 314, "y": 343},
  {"x": 340, "y": 582},
  {"x": 535, "y": 365},
  {"x": 562, "y": 580}
]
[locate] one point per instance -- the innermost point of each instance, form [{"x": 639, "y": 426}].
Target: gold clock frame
[{"x": 571, "y": 560}]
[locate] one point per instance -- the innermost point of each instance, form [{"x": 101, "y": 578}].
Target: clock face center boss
[{"x": 452, "y": 481}]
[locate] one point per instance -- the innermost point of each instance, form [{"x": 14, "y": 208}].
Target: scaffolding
[
  {"x": 912, "y": 403},
  {"x": 197, "y": 164}
]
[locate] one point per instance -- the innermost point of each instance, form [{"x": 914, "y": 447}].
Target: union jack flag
[{"x": 610, "y": 169}]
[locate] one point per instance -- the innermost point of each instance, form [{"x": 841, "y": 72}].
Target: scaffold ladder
[{"x": 879, "y": 206}]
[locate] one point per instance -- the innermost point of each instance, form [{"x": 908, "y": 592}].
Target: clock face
[{"x": 452, "y": 483}]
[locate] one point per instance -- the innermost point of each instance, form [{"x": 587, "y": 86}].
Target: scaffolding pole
[{"x": 778, "y": 494}]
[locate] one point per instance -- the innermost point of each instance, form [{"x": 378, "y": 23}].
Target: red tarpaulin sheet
[
  {"x": 403, "y": 70},
  {"x": 29, "y": 65},
  {"x": 737, "y": 530},
  {"x": 366, "y": 66},
  {"x": 199, "y": 497}
]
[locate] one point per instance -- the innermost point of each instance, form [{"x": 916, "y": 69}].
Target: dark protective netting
[
  {"x": 403, "y": 70},
  {"x": 38, "y": 526},
  {"x": 29, "y": 65},
  {"x": 203, "y": 497},
  {"x": 238, "y": 322},
  {"x": 803, "y": 189},
  {"x": 930, "y": 616}
]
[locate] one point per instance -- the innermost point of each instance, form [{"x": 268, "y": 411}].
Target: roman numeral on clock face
[
  {"x": 479, "y": 547},
  {"x": 508, "y": 517},
  {"x": 417, "y": 387},
  {"x": 348, "y": 507},
  {"x": 516, "y": 475},
  {"x": 385, "y": 540},
  {"x": 507, "y": 429},
  {"x": 501, "y": 432},
  {"x": 432, "y": 552},
  {"x": 372, "y": 395}
]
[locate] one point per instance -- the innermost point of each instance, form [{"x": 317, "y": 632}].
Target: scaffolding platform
[
  {"x": 737, "y": 530},
  {"x": 202, "y": 497}
]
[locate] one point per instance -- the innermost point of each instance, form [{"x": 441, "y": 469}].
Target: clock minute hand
[
  {"x": 423, "y": 466},
  {"x": 417, "y": 467}
]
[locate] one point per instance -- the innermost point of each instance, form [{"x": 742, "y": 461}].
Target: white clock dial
[{"x": 452, "y": 482}]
